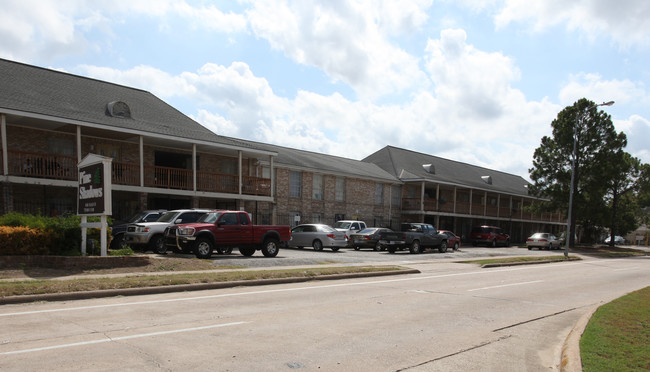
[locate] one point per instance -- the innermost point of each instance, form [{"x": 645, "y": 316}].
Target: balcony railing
[
  {"x": 41, "y": 165},
  {"x": 413, "y": 204}
]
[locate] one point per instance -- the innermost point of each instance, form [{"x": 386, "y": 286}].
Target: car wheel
[
  {"x": 356, "y": 248},
  {"x": 318, "y": 245},
  {"x": 456, "y": 246},
  {"x": 378, "y": 247},
  {"x": 336, "y": 249},
  {"x": 391, "y": 249},
  {"x": 203, "y": 248},
  {"x": 118, "y": 242},
  {"x": 415, "y": 247},
  {"x": 443, "y": 247},
  {"x": 247, "y": 251},
  {"x": 530, "y": 248},
  {"x": 494, "y": 243},
  {"x": 270, "y": 248},
  {"x": 157, "y": 244},
  {"x": 227, "y": 250}
]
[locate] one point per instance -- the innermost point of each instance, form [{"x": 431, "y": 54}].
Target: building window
[
  {"x": 229, "y": 166},
  {"x": 396, "y": 195},
  {"x": 340, "y": 189},
  {"x": 317, "y": 190},
  {"x": 316, "y": 218},
  {"x": 295, "y": 184},
  {"x": 379, "y": 194}
]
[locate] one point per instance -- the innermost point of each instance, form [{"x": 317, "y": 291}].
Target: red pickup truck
[{"x": 224, "y": 230}]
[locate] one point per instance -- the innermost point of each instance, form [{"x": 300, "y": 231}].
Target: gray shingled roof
[
  {"x": 408, "y": 166},
  {"x": 323, "y": 163},
  {"x": 42, "y": 91}
]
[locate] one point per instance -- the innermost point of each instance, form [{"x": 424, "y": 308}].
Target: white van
[{"x": 349, "y": 227}]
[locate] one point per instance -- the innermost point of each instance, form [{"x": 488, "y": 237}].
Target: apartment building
[{"x": 162, "y": 159}]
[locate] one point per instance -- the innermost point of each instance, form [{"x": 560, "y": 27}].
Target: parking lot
[{"x": 307, "y": 256}]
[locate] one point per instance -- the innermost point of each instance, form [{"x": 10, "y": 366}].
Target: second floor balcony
[{"x": 62, "y": 167}]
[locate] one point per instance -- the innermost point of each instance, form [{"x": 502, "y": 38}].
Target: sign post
[{"x": 94, "y": 196}]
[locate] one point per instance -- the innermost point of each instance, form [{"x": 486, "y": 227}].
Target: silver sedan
[
  {"x": 543, "y": 241},
  {"x": 317, "y": 236}
]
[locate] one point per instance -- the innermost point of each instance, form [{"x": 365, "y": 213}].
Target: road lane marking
[
  {"x": 113, "y": 339},
  {"x": 268, "y": 291},
  {"x": 504, "y": 285}
]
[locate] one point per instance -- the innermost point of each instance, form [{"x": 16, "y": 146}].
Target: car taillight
[
  {"x": 366, "y": 237},
  {"x": 331, "y": 236}
]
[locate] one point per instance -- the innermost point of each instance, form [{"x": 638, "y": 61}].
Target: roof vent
[
  {"x": 118, "y": 109},
  {"x": 429, "y": 168},
  {"x": 487, "y": 179}
]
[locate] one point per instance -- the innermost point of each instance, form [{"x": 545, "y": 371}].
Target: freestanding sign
[{"x": 94, "y": 196}]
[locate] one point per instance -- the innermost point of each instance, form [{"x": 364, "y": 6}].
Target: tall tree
[
  {"x": 623, "y": 172},
  {"x": 595, "y": 140}
]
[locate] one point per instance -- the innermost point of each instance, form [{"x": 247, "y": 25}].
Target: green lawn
[{"x": 617, "y": 337}]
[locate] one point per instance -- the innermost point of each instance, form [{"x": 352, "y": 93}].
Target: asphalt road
[{"x": 450, "y": 317}]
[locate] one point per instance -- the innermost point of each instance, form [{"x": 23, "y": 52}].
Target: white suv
[
  {"x": 349, "y": 227},
  {"x": 152, "y": 234}
]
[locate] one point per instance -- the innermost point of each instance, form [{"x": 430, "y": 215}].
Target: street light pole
[{"x": 573, "y": 171}]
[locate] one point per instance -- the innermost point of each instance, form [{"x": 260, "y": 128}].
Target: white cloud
[
  {"x": 344, "y": 39},
  {"x": 594, "y": 88},
  {"x": 626, "y": 22}
]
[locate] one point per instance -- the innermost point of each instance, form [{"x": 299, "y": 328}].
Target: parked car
[
  {"x": 151, "y": 234},
  {"x": 416, "y": 236},
  {"x": 119, "y": 227},
  {"x": 349, "y": 226},
  {"x": 317, "y": 236},
  {"x": 491, "y": 236},
  {"x": 453, "y": 240},
  {"x": 367, "y": 238},
  {"x": 617, "y": 240},
  {"x": 542, "y": 240}
]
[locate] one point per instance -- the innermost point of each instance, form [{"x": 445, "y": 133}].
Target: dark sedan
[{"x": 367, "y": 238}]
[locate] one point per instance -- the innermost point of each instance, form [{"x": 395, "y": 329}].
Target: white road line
[
  {"x": 113, "y": 339},
  {"x": 266, "y": 291},
  {"x": 504, "y": 285}
]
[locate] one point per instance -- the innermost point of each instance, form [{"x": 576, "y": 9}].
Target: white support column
[
  {"x": 485, "y": 204},
  {"x": 141, "y": 161},
  {"x": 194, "y": 167},
  {"x": 78, "y": 144},
  {"x": 3, "y": 133},
  {"x": 455, "y": 195},
  {"x": 239, "y": 165},
  {"x": 272, "y": 176}
]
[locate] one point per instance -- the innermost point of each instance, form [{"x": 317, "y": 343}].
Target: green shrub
[
  {"x": 18, "y": 240},
  {"x": 64, "y": 231}
]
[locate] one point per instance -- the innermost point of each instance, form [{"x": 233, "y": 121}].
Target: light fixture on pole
[{"x": 567, "y": 237}]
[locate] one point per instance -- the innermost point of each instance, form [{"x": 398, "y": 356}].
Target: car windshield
[
  {"x": 169, "y": 217},
  {"x": 342, "y": 225},
  {"x": 368, "y": 231},
  {"x": 209, "y": 217},
  {"x": 136, "y": 217}
]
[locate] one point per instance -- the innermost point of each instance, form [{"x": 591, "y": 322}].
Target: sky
[{"x": 472, "y": 81}]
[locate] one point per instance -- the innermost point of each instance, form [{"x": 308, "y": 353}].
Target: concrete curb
[
  {"x": 189, "y": 287},
  {"x": 570, "y": 360},
  {"x": 526, "y": 263}
]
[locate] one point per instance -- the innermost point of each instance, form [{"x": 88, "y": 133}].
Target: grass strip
[
  {"x": 618, "y": 335},
  {"x": 32, "y": 287},
  {"x": 514, "y": 260}
]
